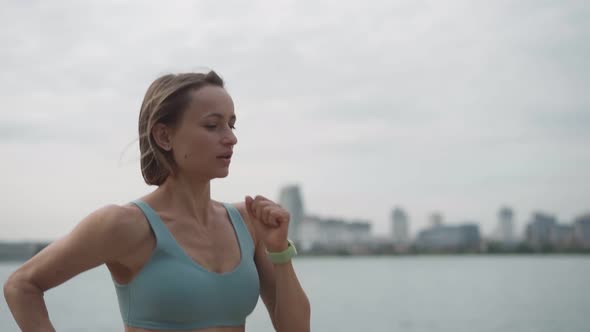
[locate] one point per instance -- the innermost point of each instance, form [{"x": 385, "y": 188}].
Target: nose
[{"x": 230, "y": 139}]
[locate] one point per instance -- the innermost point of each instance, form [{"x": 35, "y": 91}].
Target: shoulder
[
  {"x": 117, "y": 218},
  {"x": 105, "y": 235},
  {"x": 241, "y": 207},
  {"x": 123, "y": 225}
]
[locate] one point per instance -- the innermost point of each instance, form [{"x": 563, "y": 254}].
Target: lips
[{"x": 225, "y": 155}]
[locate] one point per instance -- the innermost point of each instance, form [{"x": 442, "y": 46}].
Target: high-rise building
[
  {"x": 538, "y": 231},
  {"x": 506, "y": 225},
  {"x": 562, "y": 236},
  {"x": 582, "y": 231},
  {"x": 290, "y": 199},
  {"x": 399, "y": 226},
  {"x": 436, "y": 219},
  {"x": 333, "y": 233},
  {"x": 450, "y": 237}
]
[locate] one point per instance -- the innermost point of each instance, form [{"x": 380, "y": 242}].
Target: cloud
[{"x": 454, "y": 106}]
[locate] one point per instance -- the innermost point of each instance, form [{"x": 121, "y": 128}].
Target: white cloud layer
[{"x": 454, "y": 106}]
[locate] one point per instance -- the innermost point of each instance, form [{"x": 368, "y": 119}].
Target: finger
[
  {"x": 249, "y": 200},
  {"x": 274, "y": 217},
  {"x": 266, "y": 208},
  {"x": 268, "y": 213},
  {"x": 283, "y": 216},
  {"x": 265, "y": 212},
  {"x": 258, "y": 208},
  {"x": 261, "y": 198},
  {"x": 251, "y": 208}
]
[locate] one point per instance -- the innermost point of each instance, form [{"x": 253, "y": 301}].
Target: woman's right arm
[{"x": 104, "y": 236}]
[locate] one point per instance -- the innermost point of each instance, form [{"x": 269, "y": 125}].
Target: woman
[{"x": 178, "y": 259}]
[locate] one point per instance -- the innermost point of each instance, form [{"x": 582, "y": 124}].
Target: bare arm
[
  {"x": 282, "y": 294},
  {"x": 280, "y": 290},
  {"x": 97, "y": 239}
]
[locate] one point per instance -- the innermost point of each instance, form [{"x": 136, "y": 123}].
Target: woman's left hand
[{"x": 271, "y": 222}]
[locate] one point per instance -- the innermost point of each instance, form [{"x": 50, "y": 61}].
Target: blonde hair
[{"x": 164, "y": 102}]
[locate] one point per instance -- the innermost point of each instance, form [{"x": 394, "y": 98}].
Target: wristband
[{"x": 284, "y": 256}]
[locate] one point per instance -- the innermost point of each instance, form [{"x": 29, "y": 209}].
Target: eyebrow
[{"x": 219, "y": 115}]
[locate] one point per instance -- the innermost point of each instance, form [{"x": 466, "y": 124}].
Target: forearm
[
  {"x": 27, "y": 306},
  {"x": 292, "y": 309}
]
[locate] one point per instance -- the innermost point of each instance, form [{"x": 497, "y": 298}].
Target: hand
[{"x": 271, "y": 222}]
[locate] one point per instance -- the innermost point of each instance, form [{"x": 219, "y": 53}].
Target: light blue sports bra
[{"x": 173, "y": 292}]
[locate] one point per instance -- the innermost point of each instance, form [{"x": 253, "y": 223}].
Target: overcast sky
[{"x": 451, "y": 106}]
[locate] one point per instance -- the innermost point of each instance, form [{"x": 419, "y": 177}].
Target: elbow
[
  {"x": 307, "y": 318},
  {"x": 16, "y": 285},
  {"x": 10, "y": 288},
  {"x": 300, "y": 324}
]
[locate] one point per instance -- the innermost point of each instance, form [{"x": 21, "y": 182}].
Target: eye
[{"x": 213, "y": 127}]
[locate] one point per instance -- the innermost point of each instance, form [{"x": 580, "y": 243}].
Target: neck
[{"x": 191, "y": 197}]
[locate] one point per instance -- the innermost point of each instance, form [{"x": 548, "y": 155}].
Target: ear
[{"x": 162, "y": 134}]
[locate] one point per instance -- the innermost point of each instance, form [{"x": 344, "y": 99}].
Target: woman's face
[{"x": 203, "y": 142}]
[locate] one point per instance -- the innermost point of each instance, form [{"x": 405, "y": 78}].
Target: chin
[{"x": 222, "y": 174}]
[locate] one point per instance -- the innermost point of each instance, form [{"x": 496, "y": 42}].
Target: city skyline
[
  {"x": 518, "y": 226},
  {"x": 489, "y": 230},
  {"x": 321, "y": 235}
]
